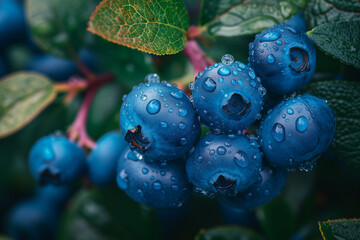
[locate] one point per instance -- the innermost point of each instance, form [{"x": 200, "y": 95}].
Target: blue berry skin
[
  {"x": 298, "y": 21},
  {"x": 224, "y": 164},
  {"x": 283, "y": 57},
  {"x": 59, "y": 69},
  {"x": 267, "y": 187},
  {"x": 227, "y": 97},
  {"x": 103, "y": 159},
  {"x": 12, "y": 22},
  {"x": 32, "y": 220},
  {"x": 158, "y": 185},
  {"x": 56, "y": 196},
  {"x": 159, "y": 121},
  {"x": 296, "y": 131},
  {"x": 55, "y": 159}
]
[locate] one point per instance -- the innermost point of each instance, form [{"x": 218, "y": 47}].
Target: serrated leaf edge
[
  {"x": 334, "y": 220},
  {"x": 92, "y": 30}
]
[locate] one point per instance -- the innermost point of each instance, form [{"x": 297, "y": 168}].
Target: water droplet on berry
[
  {"x": 145, "y": 171},
  {"x": 182, "y": 112},
  {"x": 209, "y": 85},
  {"x": 122, "y": 180},
  {"x": 278, "y": 132},
  {"x": 212, "y": 152},
  {"x": 224, "y": 71},
  {"x": 290, "y": 111},
  {"x": 124, "y": 97},
  {"x": 279, "y": 42},
  {"x": 163, "y": 124},
  {"x": 176, "y": 94},
  {"x": 175, "y": 187},
  {"x": 240, "y": 159},
  {"x": 270, "y": 58},
  {"x": 140, "y": 193},
  {"x": 252, "y": 74},
  {"x": 192, "y": 86},
  {"x": 262, "y": 90},
  {"x": 183, "y": 141},
  {"x": 302, "y": 124},
  {"x": 271, "y": 36},
  {"x": 221, "y": 150},
  {"x": 227, "y": 59},
  {"x": 153, "y": 106},
  {"x": 221, "y": 80},
  {"x": 162, "y": 173},
  {"x": 152, "y": 78},
  {"x": 266, "y": 192},
  {"x": 143, "y": 97},
  {"x": 157, "y": 185}
]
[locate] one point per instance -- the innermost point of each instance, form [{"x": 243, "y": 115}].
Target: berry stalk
[{"x": 198, "y": 58}]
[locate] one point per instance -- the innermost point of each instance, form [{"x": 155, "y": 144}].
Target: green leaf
[
  {"x": 344, "y": 99},
  {"x": 277, "y": 219},
  {"x": 340, "y": 39},
  {"x": 107, "y": 213},
  {"x": 244, "y": 17},
  {"x": 154, "y": 26},
  {"x": 59, "y": 26},
  {"x": 228, "y": 233},
  {"x": 348, "y": 229},
  {"x": 22, "y": 97},
  {"x": 318, "y": 12}
]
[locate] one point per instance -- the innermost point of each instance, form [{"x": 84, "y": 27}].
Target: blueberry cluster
[{"x": 158, "y": 159}]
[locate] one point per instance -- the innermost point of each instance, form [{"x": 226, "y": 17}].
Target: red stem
[
  {"x": 77, "y": 130},
  {"x": 197, "y": 56}
]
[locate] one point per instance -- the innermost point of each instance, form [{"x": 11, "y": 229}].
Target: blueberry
[
  {"x": 59, "y": 69},
  {"x": 298, "y": 21},
  {"x": 227, "y": 96},
  {"x": 158, "y": 185},
  {"x": 296, "y": 131},
  {"x": 103, "y": 159},
  {"x": 55, "y": 159},
  {"x": 283, "y": 57},
  {"x": 12, "y": 22},
  {"x": 225, "y": 164},
  {"x": 32, "y": 220},
  {"x": 159, "y": 120},
  {"x": 56, "y": 196},
  {"x": 268, "y": 186}
]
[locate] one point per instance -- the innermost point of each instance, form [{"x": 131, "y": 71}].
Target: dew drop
[
  {"x": 252, "y": 74},
  {"x": 212, "y": 152},
  {"x": 241, "y": 65},
  {"x": 171, "y": 110},
  {"x": 162, "y": 173},
  {"x": 240, "y": 159},
  {"x": 209, "y": 84},
  {"x": 122, "y": 180},
  {"x": 233, "y": 82},
  {"x": 145, "y": 170},
  {"x": 278, "y": 132},
  {"x": 176, "y": 94},
  {"x": 152, "y": 78},
  {"x": 224, "y": 71},
  {"x": 302, "y": 124},
  {"x": 262, "y": 90},
  {"x": 140, "y": 193},
  {"x": 290, "y": 111},
  {"x": 143, "y": 97},
  {"x": 183, "y": 141},
  {"x": 175, "y": 187},
  {"x": 270, "y": 58},
  {"x": 266, "y": 192},
  {"x": 153, "y": 106},
  {"x": 181, "y": 125},
  {"x": 279, "y": 42},
  {"x": 227, "y": 59},
  {"x": 221, "y": 150},
  {"x": 163, "y": 124},
  {"x": 271, "y": 36},
  {"x": 182, "y": 112},
  {"x": 157, "y": 185},
  {"x": 221, "y": 79}
]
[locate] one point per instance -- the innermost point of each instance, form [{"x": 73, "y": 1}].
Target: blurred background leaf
[
  {"x": 348, "y": 229},
  {"x": 228, "y": 233}
]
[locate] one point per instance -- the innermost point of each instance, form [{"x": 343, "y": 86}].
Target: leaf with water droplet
[{"x": 340, "y": 40}]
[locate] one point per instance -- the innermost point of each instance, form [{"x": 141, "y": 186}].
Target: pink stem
[
  {"x": 77, "y": 130},
  {"x": 197, "y": 56}
]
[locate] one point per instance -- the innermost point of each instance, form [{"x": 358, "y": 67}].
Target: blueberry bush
[{"x": 179, "y": 119}]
